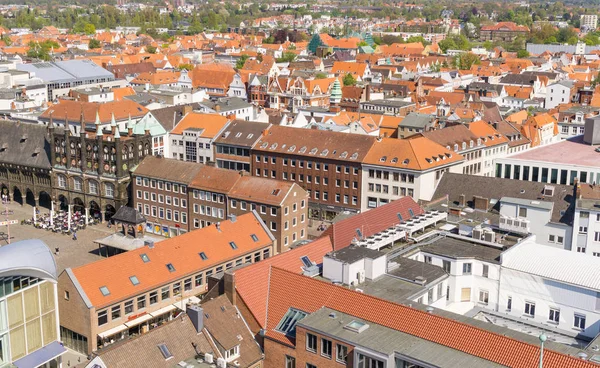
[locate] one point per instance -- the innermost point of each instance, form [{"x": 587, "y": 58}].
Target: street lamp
[{"x": 543, "y": 339}]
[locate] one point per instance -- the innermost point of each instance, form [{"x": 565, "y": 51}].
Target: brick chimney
[
  {"x": 187, "y": 109},
  {"x": 462, "y": 200},
  {"x": 480, "y": 203}
]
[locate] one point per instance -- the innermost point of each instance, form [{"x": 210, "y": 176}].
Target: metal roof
[
  {"x": 554, "y": 264},
  {"x": 64, "y": 71},
  {"x": 27, "y": 258}
]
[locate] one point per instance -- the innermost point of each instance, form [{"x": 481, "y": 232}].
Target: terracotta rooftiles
[
  {"x": 371, "y": 222},
  {"x": 182, "y": 252},
  {"x": 211, "y": 124},
  {"x": 309, "y": 295}
]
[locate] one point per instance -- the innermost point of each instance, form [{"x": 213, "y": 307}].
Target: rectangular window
[
  {"x": 141, "y": 302},
  {"x": 554, "y": 315},
  {"x": 102, "y": 318},
  {"x": 522, "y": 212},
  {"x": 530, "y": 309},
  {"x": 153, "y": 297},
  {"x": 484, "y": 296},
  {"x": 326, "y": 347},
  {"x": 341, "y": 355},
  {"x": 446, "y": 266},
  {"x": 290, "y": 362},
  {"x": 115, "y": 312},
  {"x": 467, "y": 268},
  {"x": 165, "y": 293},
  {"x": 579, "y": 321},
  {"x": 486, "y": 270},
  {"x": 311, "y": 342},
  {"x": 128, "y": 307},
  {"x": 509, "y": 304}
]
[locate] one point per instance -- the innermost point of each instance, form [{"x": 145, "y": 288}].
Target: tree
[
  {"x": 349, "y": 80},
  {"x": 186, "y": 66},
  {"x": 287, "y": 57},
  {"x": 89, "y": 29},
  {"x": 94, "y": 44},
  {"x": 320, "y": 75},
  {"x": 465, "y": 60},
  {"x": 522, "y": 53},
  {"x": 151, "y": 49},
  {"x": 447, "y": 44},
  {"x": 241, "y": 61}
]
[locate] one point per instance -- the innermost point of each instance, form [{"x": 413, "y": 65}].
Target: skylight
[
  {"x": 411, "y": 212},
  {"x": 134, "y": 280},
  {"x": 232, "y": 245},
  {"x": 170, "y": 267},
  {"x": 203, "y": 256},
  {"x": 104, "y": 290},
  {"x": 287, "y": 325},
  {"x": 356, "y": 326},
  {"x": 165, "y": 351},
  {"x": 254, "y": 237},
  {"x": 359, "y": 233},
  {"x": 400, "y": 217},
  {"x": 306, "y": 261},
  {"x": 145, "y": 258}
]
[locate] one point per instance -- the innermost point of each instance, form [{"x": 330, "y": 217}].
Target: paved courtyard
[{"x": 72, "y": 253}]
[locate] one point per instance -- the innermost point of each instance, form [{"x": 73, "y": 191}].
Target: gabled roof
[
  {"x": 371, "y": 222},
  {"x": 182, "y": 172},
  {"x": 73, "y": 109},
  {"x": 416, "y": 153},
  {"x": 182, "y": 252},
  {"x": 24, "y": 144},
  {"x": 316, "y": 143},
  {"x": 252, "y": 281},
  {"x": 309, "y": 295}
]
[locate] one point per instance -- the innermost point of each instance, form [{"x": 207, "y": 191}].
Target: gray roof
[
  {"x": 170, "y": 116},
  {"x": 455, "y": 248},
  {"x": 226, "y": 104},
  {"x": 482, "y": 86},
  {"x": 389, "y": 341},
  {"x": 518, "y": 79},
  {"x": 388, "y": 102},
  {"x": 24, "y": 144},
  {"x": 417, "y": 120},
  {"x": 538, "y": 48},
  {"x": 27, "y": 258},
  {"x": 354, "y": 254},
  {"x": 410, "y": 269},
  {"x": 454, "y": 185},
  {"x": 128, "y": 215},
  {"x": 242, "y": 133},
  {"x": 64, "y": 71}
]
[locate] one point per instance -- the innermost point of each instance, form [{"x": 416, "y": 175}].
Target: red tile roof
[
  {"x": 181, "y": 251},
  {"x": 287, "y": 289},
  {"x": 371, "y": 222},
  {"x": 252, "y": 282}
]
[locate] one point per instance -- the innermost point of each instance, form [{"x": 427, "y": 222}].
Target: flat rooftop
[
  {"x": 572, "y": 151},
  {"x": 458, "y": 248}
]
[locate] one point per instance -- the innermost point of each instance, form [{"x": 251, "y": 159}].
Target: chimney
[
  {"x": 217, "y": 108},
  {"x": 232, "y": 218},
  {"x": 229, "y": 286},
  {"x": 462, "y": 200},
  {"x": 218, "y": 226},
  {"x": 186, "y": 110},
  {"x": 368, "y": 92},
  {"x": 196, "y": 315},
  {"x": 481, "y": 204},
  {"x": 577, "y": 188},
  {"x": 149, "y": 244}
]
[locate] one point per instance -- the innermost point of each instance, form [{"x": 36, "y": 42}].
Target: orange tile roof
[
  {"x": 418, "y": 153},
  {"x": 181, "y": 251},
  {"x": 517, "y": 117},
  {"x": 489, "y": 135},
  {"x": 120, "y": 93},
  {"x": 211, "y": 124},
  {"x": 343, "y": 68},
  {"x": 252, "y": 282},
  {"x": 309, "y": 295},
  {"x": 519, "y": 91},
  {"x": 157, "y": 78},
  {"x": 73, "y": 110}
]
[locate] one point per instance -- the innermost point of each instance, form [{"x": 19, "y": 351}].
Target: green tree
[
  {"x": 186, "y": 66},
  {"x": 320, "y": 75},
  {"x": 151, "y": 49},
  {"x": 94, "y": 44},
  {"x": 241, "y": 61},
  {"x": 287, "y": 57},
  {"x": 89, "y": 29},
  {"x": 349, "y": 80},
  {"x": 447, "y": 44},
  {"x": 522, "y": 53},
  {"x": 465, "y": 60}
]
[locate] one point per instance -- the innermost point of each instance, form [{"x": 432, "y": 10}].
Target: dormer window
[{"x": 232, "y": 353}]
